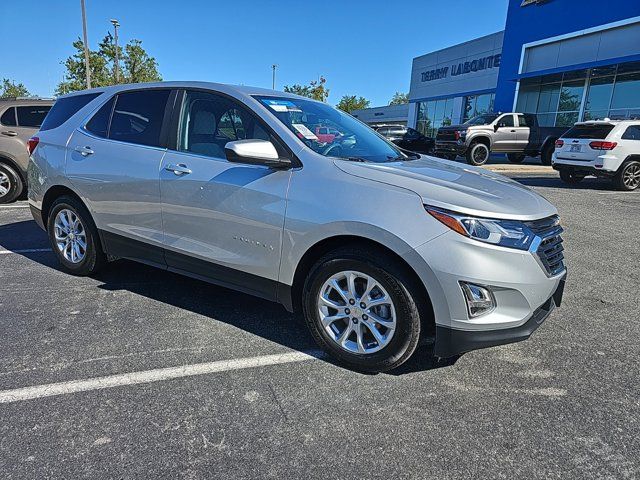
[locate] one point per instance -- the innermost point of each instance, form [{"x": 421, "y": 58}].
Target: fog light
[{"x": 480, "y": 300}]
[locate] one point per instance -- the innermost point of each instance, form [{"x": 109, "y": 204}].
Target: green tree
[
  {"x": 9, "y": 88},
  {"x": 136, "y": 65},
  {"x": 316, "y": 89},
  {"x": 349, "y": 103},
  {"x": 399, "y": 98}
]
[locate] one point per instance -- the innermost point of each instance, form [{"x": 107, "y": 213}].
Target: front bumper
[
  {"x": 451, "y": 342},
  {"x": 450, "y": 147}
]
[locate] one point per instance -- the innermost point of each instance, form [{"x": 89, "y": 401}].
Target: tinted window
[
  {"x": 506, "y": 121},
  {"x": 210, "y": 121},
  {"x": 137, "y": 117},
  {"x": 522, "y": 121},
  {"x": 9, "y": 117},
  {"x": 65, "y": 108},
  {"x": 632, "y": 133},
  {"x": 598, "y": 132},
  {"x": 32, "y": 116},
  {"x": 99, "y": 123},
  {"x": 383, "y": 131}
]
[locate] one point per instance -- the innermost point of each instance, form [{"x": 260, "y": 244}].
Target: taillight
[
  {"x": 559, "y": 143},
  {"x": 603, "y": 145},
  {"x": 32, "y": 144}
]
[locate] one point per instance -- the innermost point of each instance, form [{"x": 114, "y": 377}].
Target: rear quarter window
[
  {"x": 632, "y": 133},
  {"x": 8, "y": 118},
  {"x": 32, "y": 116},
  {"x": 65, "y": 108},
  {"x": 597, "y": 132}
]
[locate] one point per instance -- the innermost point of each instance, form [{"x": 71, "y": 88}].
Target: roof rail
[{"x": 13, "y": 99}]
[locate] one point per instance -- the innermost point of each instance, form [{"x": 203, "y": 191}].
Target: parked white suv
[
  {"x": 379, "y": 249},
  {"x": 604, "y": 148}
]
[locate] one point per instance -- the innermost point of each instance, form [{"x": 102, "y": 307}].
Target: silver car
[{"x": 379, "y": 249}]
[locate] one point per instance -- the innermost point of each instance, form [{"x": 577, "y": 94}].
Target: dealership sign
[{"x": 483, "y": 63}]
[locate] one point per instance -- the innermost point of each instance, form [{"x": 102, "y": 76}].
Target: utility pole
[
  {"x": 86, "y": 44},
  {"x": 273, "y": 81},
  {"x": 116, "y": 24}
]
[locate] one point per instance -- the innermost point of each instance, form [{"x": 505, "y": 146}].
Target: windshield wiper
[{"x": 355, "y": 159}]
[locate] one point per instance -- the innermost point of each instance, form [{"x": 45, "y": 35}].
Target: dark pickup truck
[{"x": 516, "y": 134}]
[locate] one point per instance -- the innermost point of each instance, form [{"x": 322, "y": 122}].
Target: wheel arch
[
  {"x": 481, "y": 138},
  {"x": 326, "y": 245},
  {"x": 6, "y": 159},
  {"x": 54, "y": 192}
]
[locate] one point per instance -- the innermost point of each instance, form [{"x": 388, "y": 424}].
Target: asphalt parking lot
[{"x": 253, "y": 399}]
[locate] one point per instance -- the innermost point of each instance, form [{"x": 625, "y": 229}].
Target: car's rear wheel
[
  {"x": 362, "y": 313},
  {"x": 571, "y": 178},
  {"x": 74, "y": 237},
  {"x": 515, "y": 157},
  {"x": 11, "y": 185},
  {"x": 547, "y": 154},
  {"x": 628, "y": 176},
  {"x": 478, "y": 154}
]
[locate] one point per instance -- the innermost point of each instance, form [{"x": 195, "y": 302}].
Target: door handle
[
  {"x": 84, "y": 151},
  {"x": 179, "y": 169},
  {"x": 9, "y": 133},
  {"x": 513, "y": 131}
]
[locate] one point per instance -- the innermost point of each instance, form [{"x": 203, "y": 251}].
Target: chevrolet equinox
[{"x": 379, "y": 248}]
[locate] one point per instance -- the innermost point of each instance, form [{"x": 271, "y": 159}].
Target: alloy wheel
[
  {"x": 5, "y": 184},
  {"x": 70, "y": 236},
  {"x": 480, "y": 154},
  {"x": 357, "y": 312},
  {"x": 631, "y": 176}
]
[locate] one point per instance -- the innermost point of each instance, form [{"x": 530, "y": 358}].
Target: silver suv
[
  {"x": 20, "y": 118},
  {"x": 379, "y": 249}
]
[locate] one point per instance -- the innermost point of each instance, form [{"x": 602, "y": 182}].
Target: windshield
[
  {"x": 481, "y": 120},
  {"x": 330, "y": 132}
]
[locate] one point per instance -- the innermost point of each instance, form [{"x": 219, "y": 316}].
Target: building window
[
  {"x": 433, "y": 115},
  {"x": 477, "y": 105},
  {"x": 612, "y": 91}
]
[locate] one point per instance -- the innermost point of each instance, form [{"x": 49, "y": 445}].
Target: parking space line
[
  {"x": 6, "y": 207},
  {"x": 28, "y": 250},
  {"x": 150, "y": 376}
]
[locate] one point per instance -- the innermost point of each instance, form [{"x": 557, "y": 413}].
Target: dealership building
[{"x": 564, "y": 60}]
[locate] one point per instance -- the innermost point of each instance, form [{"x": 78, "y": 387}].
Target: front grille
[
  {"x": 446, "y": 135},
  {"x": 550, "y": 250}
]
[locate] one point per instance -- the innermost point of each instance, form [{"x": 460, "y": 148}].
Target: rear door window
[
  {"x": 32, "y": 116},
  {"x": 138, "y": 116},
  {"x": 597, "y": 132},
  {"x": 522, "y": 121},
  {"x": 632, "y": 133},
  {"x": 99, "y": 123},
  {"x": 65, "y": 108},
  {"x": 8, "y": 118}
]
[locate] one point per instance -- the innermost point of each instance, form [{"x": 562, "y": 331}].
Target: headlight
[{"x": 506, "y": 233}]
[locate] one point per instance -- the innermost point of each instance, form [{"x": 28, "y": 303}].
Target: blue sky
[{"x": 362, "y": 47}]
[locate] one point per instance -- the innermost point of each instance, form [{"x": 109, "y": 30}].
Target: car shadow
[
  {"x": 256, "y": 316},
  {"x": 589, "y": 183}
]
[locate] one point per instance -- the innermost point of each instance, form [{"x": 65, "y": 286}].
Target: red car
[{"x": 326, "y": 134}]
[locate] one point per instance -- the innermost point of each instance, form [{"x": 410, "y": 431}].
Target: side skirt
[{"x": 119, "y": 246}]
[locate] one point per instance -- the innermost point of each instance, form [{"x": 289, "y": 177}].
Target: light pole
[
  {"x": 116, "y": 24},
  {"x": 86, "y": 46},
  {"x": 273, "y": 80}
]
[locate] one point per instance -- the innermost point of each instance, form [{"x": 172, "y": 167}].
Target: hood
[
  {"x": 453, "y": 127},
  {"x": 458, "y": 187}
]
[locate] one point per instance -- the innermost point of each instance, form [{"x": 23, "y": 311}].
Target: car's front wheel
[
  {"x": 515, "y": 157},
  {"x": 361, "y": 312},
  {"x": 478, "y": 154},
  {"x": 74, "y": 237}
]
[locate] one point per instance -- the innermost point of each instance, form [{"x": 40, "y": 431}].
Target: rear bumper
[
  {"x": 584, "y": 170},
  {"x": 451, "y": 342}
]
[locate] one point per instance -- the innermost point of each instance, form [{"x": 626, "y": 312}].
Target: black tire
[
  {"x": 515, "y": 157},
  {"x": 94, "y": 257},
  {"x": 478, "y": 154},
  {"x": 546, "y": 154},
  {"x": 628, "y": 177},
  {"x": 11, "y": 183},
  {"x": 567, "y": 177},
  {"x": 401, "y": 289}
]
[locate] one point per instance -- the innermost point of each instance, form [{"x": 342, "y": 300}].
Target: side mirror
[
  {"x": 496, "y": 127},
  {"x": 255, "y": 152}
]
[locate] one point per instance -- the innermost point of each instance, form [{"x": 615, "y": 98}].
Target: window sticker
[
  {"x": 304, "y": 131},
  {"x": 280, "y": 105}
]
